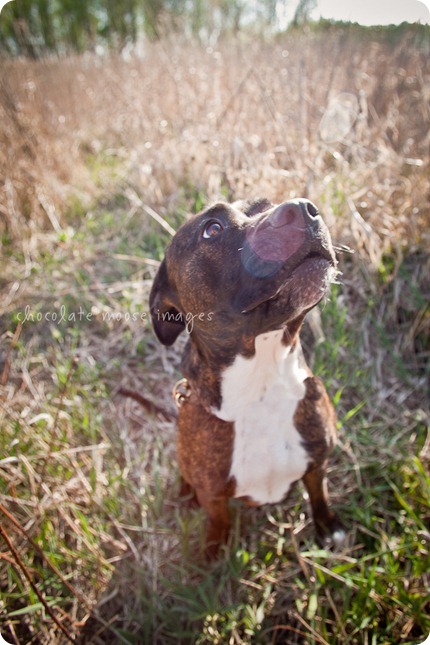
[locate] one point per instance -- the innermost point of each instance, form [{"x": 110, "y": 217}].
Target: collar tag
[{"x": 181, "y": 392}]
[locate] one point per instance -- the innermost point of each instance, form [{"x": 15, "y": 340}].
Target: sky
[{"x": 375, "y": 12}]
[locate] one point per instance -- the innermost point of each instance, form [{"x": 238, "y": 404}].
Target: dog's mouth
[
  {"x": 305, "y": 286},
  {"x": 308, "y": 282}
]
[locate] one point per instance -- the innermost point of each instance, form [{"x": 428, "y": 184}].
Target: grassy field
[{"x": 98, "y": 158}]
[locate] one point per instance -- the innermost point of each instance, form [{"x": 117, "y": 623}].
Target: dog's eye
[{"x": 212, "y": 228}]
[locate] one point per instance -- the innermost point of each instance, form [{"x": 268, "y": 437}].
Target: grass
[{"x": 95, "y": 539}]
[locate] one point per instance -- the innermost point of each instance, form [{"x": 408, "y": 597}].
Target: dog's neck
[
  {"x": 270, "y": 351},
  {"x": 274, "y": 364}
]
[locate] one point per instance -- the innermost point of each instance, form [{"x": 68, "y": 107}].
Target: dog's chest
[{"x": 260, "y": 396}]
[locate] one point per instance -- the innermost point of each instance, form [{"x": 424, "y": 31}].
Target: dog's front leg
[
  {"x": 218, "y": 522},
  {"x": 329, "y": 528}
]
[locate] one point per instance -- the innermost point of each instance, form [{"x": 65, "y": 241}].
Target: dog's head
[{"x": 242, "y": 269}]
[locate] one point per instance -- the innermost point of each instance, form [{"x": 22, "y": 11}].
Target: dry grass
[
  {"x": 88, "y": 478},
  {"x": 237, "y": 118}
]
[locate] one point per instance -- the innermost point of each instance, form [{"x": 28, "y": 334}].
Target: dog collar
[{"x": 181, "y": 392}]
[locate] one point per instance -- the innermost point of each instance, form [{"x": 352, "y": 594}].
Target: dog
[{"x": 239, "y": 279}]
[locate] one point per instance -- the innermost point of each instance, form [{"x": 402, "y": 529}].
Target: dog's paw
[
  {"x": 332, "y": 535},
  {"x": 336, "y": 540}
]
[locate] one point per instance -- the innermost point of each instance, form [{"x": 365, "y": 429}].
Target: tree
[{"x": 304, "y": 8}]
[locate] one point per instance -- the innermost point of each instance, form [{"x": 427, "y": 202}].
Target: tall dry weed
[{"x": 236, "y": 119}]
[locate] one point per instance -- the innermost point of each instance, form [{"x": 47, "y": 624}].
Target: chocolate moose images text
[{"x": 64, "y": 315}]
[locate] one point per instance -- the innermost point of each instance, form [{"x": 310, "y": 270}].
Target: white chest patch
[{"x": 260, "y": 395}]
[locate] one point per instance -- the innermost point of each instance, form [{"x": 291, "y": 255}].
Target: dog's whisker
[{"x": 342, "y": 248}]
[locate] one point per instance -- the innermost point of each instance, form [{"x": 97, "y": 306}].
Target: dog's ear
[{"x": 167, "y": 320}]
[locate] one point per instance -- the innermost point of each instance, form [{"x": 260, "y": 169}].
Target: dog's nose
[
  {"x": 293, "y": 228},
  {"x": 309, "y": 207},
  {"x": 296, "y": 213},
  {"x": 289, "y": 214}
]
